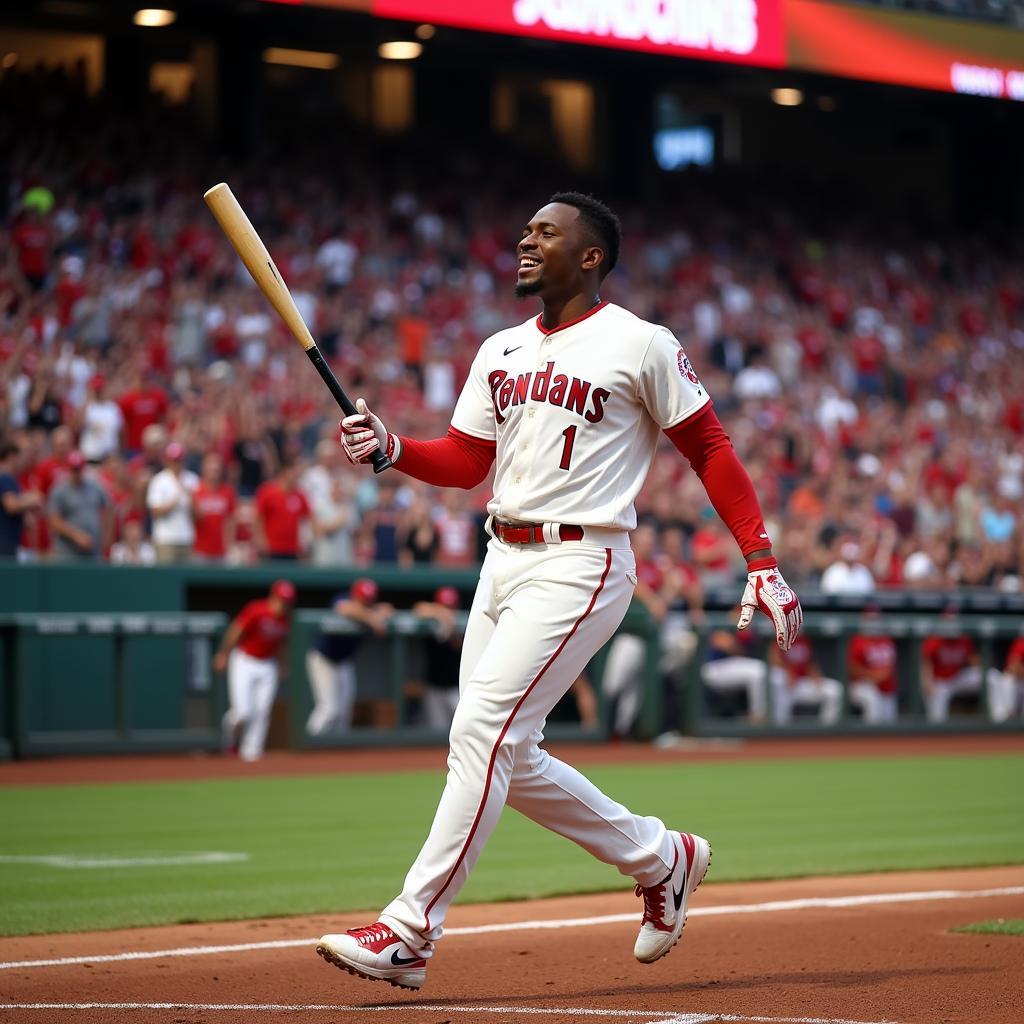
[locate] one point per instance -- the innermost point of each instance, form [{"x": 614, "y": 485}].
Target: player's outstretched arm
[
  {"x": 457, "y": 460},
  {"x": 709, "y": 451}
]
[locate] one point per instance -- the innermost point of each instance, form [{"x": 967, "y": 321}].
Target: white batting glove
[
  {"x": 363, "y": 434},
  {"x": 767, "y": 590}
]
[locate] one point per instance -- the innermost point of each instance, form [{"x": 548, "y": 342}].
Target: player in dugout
[{"x": 570, "y": 406}]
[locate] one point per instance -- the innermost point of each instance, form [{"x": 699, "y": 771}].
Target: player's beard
[{"x": 525, "y": 288}]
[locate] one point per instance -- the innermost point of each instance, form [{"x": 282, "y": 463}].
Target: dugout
[{"x": 105, "y": 659}]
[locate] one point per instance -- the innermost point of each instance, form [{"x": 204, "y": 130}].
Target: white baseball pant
[
  {"x": 623, "y": 671},
  {"x": 439, "y": 706},
  {"x": 539, "y": 614},
  {"x": 1005, "y": 695},
  {"x": 827, "y": 694},
  {"x": 739, "y": 673},
  {"x": 874, "y": 705},
  {"x": 967, "y": 680},
  {"x": 252, "y": 685},
  {"x": 334, "y": 693}
]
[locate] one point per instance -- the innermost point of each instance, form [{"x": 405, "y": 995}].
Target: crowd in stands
[{"x": 153, "y": 407}]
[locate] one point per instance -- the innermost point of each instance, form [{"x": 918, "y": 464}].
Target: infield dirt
[{"x": 891, "y": 962}]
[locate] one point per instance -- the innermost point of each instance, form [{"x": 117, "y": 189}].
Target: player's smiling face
[{"x": 552, "y": 254}]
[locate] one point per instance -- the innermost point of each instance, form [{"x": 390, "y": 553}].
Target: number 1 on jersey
[{"x": 570, "y": 438}]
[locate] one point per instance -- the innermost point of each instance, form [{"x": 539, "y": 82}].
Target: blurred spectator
[
  {"x": 418, "y": 538},
  {"x": 847, "y": 575},
  {"x": 142, "y": 404},
  {"x": 442, "y": 653},
  {"x": 330, "y": 662},
  {"x": 102, "y": 422},
  {"x": 331, "y": 496},
  {"x": 456, "y": 530},
  {"x": 133, "y": 548},
  {"x": 45, "y": 400},
  {"x": 729, "y": 669},
  {"x": 81, "y": 515},
  {"x": 14, "y": 502},
  {"x": 383, "y": 522},
  {"x": 871, "y": 666},
  {"x": 213, "y": 510},
  {"x": 282, "y": 513},
  {"x": 797, "y": 678},
  {"x": 713, "y": 551},
  {"x": 169, "y": 499}
]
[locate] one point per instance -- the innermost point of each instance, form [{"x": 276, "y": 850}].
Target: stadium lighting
[
  {"x": 400, "y": 49},
  {"x": 154, "y": 17},
  {"x": 787, "y": 97},
  {"x": 301, "y": 58},
  {"x": 425, "y": 32}
]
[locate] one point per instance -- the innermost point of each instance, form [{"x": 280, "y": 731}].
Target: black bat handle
[{"x": 379, "y": 459}]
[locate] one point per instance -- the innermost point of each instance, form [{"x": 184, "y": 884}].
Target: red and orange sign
[{"x": 878, "y": 45}]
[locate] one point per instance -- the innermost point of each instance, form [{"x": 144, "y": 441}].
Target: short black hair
[{"x": 601, "y": 222}]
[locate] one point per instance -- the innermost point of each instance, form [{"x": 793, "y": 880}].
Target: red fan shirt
[
  {"x": 140, "y": 409},
  {"x": 281, "y": 513},
  {"x": 211, "y": 507}
]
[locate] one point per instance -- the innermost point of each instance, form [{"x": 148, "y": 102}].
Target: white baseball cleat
[
  {"x": 665, "y": 903},
  {"x": 376, "y": 953}
]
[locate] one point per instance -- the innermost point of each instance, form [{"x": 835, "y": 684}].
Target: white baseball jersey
[{"x": 575, "y": 413}]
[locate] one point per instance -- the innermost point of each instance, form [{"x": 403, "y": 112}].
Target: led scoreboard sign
[
  {"x": 738, "y": 31},
  {"x": 874, "y": 44}
]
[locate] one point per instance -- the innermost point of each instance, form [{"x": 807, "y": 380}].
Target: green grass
[
  {"x": 344, "y": 842},
  {"x": 1000, "y": 926}
]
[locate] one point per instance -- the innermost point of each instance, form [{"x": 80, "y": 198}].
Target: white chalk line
[
  {"x": 652, "y": 1016},
  {"x": 76, "y": 861},
  {"x": 774, "y": 906}
]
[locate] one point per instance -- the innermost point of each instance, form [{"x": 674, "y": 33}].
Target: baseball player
[
  {"x": 871, "y": 664},
  {"x": 657, "y": 588},
  {"x": 569, "y": 406},
  {"x": 330, "y": 662},
  {"x": 796, "y": 678},
  {"x": 252, "y": 650},
  {"x": 442, "y": 653},
  {"x": 1006, "y": 688},
  {"x": 949, "y": 665}
]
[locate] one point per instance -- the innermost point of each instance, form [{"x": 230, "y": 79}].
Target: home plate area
[{"x": 861, "y": 949}]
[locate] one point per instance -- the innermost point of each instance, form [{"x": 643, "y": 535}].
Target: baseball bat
[{"x": 253, "y": 253}]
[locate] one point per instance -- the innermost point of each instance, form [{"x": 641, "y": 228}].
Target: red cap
[
  {"x": 448, "y": 596},
  {"x": 97, "y": 381},
  {"x": 175, "y": 450},
  {"x": 283, "y": 589},
  {"x": 75, "y": 460},
  {"x": 365, "y": 590}
]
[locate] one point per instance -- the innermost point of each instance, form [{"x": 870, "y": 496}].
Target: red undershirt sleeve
[
  {"x": 707, "y": 447},
  {"x": 457, "y": 460}
]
